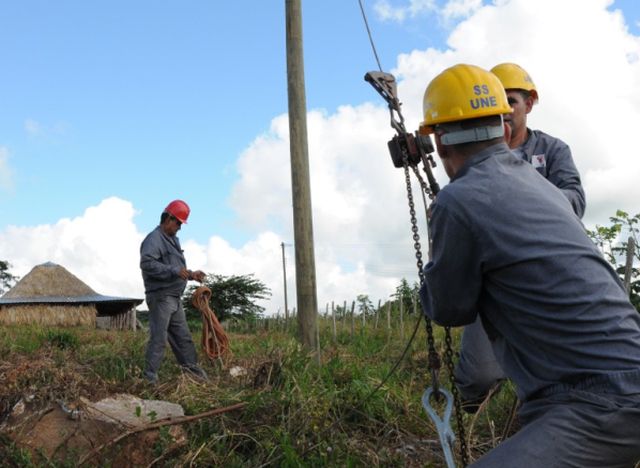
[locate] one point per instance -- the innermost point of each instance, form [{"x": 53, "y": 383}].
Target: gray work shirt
[
  {"x": 161, "y": 259},
  {"x": 507, "y": 246},
  {"x": 552, "y": 158}
]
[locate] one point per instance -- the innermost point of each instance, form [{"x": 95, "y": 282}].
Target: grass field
[{"x": 300, "y": 409}]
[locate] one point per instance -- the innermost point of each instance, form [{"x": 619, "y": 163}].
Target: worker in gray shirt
[
  {"x": 478, "y": 371},
  {"x": 560, "y": 323},
  {"x": 550, "y": 156},
  {"x": 165, "y": 275}
]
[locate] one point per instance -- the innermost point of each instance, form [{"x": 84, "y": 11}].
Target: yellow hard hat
[
  {"x": 462, "y": 92},
  {"x": 513, "y": 76}
]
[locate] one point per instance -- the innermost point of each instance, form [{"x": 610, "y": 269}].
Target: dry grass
[
  {"x": 49, "y": 279},
  {"x": 68, "y": 315}
]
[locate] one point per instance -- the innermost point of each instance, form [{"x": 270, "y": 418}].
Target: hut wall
[
  {"x": 65, "y": 315},
  {"x": 124, "y": 321}
]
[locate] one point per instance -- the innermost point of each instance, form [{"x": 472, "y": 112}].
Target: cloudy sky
[{"x": 112, "y": 109}]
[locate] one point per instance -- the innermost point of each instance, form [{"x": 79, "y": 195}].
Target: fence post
[
  {"x": 333, "y": 317},
  {"x": 318, "y": 338},
  {"x": 344, "y": 315},
  {"x": 353, "y": 306},
  {"x": 401, "y": 318},
  {"x": 389, "y": 316},
  {"x": 631, "y": 250}
]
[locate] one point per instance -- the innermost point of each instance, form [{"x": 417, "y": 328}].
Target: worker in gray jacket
[
  {"x": 559, "y": 320},
  {"x": 478, "y": 371},
  {"x": 165, "y": 275},
  {"x": 550, "y": 156}
]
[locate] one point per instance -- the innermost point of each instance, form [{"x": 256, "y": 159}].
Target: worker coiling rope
[{"x": 215, "y": 341}]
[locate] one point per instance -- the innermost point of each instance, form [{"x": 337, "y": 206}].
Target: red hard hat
[{"x": 179, "y": 210}]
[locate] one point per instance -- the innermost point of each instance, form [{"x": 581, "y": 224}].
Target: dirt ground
[
  {"x": 46, "y": 410},
  {"x": 53, "y": 434}
]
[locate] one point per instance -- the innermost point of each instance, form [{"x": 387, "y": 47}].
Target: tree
[
  {"x": 7, "y": 280},
  {"x": 613, "y": 242},
  {"x": 365, "y": 306},
  {"x": 405, "y": 293},
  {"x": 231, "y": 297}
]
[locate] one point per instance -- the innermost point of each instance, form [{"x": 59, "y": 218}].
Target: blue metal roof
[{"x": 67, "y": 300}]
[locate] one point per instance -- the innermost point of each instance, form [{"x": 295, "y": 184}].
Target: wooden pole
[
  {"x": 344, "y": 315},
  {"x": 631, "y": 247},
  {"x": 333, "y": 317},
  {"x": 401, "y": 319},
  {"x": 284, "y": 275},
  {"x": 318, "y": 355},
  {"x": 353, "y": 325},
  {"x": 389, "y": 315},
  {"x": 300, "y": 179}
]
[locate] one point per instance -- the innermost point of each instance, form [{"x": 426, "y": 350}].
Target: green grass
[{"x": 298, "y": 412}]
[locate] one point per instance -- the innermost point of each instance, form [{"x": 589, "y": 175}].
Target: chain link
[
  {"x": 464, "y": 454},
  {"x": 433, "y": 356}
]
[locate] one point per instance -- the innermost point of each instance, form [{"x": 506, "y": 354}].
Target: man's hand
[
  {"x": 189, "y": 275},
  {"x": 198, "y": 276}
]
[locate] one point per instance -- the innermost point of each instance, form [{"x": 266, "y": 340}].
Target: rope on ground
[{"x": 214, "y": 339}]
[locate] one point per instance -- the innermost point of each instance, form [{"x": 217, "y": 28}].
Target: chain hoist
[{"x": 407, "y": 152}]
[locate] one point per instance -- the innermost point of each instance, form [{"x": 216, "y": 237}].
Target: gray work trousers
[
  {"x": 167, "y": 322},
  {"x": 575, "y": 428},
  {"x": 477, "y": 371}
]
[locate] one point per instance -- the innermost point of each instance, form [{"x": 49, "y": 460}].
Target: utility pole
[
  {"x": 284, "y": 274},
  {"x": 301, "y": 191}
]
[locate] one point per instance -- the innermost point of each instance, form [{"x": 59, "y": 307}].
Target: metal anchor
[{"x": 447, "y": 437}]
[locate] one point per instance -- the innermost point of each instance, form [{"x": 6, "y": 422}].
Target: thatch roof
[
  {"x": 50, "y": 283},
  {"x": 47, "y": 280}
]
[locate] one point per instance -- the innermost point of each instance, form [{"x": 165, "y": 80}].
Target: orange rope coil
[{"x": 214, "y": 339}]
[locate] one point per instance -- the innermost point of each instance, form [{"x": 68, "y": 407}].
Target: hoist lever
[
  {"x": 447, "y": 438},
  {"x": 405, "y": 148}
]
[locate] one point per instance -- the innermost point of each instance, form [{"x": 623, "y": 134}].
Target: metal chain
[
  {"x": 448, "y": 350},
  {"x": 434, "y": 358},
  {"x": 423, "y": 184}
]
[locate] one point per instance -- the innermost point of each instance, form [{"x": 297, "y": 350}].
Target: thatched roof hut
[{"x": 50, "y": 295}]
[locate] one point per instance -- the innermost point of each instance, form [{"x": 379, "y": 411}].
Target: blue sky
[
  {"x": 112, "y": 109},
  {"x": 154, "y": 100}
]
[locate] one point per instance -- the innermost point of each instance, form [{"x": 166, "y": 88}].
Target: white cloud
[
  {"x": 360, "y": 225},
  {"x": 32, "y": 127},
  {"x": 451, "y": 10},
  {"x": 455, "y": 9},
  {"x": 37, "y": 129},
  {"x": 6, "y": 173},
  {"x": 588, "y": 97},
  {"x": 100, "y": 247},
  {"x": 587, "y": 84},
  {"x": 387, "y": 12}
]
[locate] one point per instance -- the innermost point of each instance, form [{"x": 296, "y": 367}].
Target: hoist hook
[
  {"x": 385, "y": 85},
  {"x": 447, "y": 437}
]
